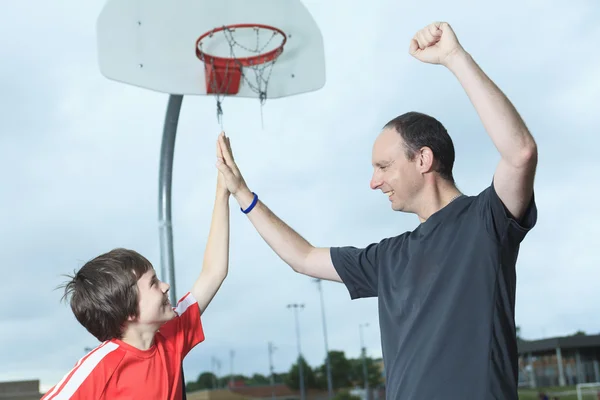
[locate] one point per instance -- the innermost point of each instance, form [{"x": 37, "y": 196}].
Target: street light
[
  {"x": 300, "y": 369},
  {"x": 329, "y": 381},
  {"x": 364, "y": 359}
]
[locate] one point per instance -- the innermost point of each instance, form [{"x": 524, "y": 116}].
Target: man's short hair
[
  {"x": 420, "y": 130},
  {"x": 103, "y": 293}
]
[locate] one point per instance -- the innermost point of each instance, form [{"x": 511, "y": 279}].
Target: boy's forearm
[{"x": 216, "y": 256}]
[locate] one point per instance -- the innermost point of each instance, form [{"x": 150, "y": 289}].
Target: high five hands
[{"x": 227, "y": 167}]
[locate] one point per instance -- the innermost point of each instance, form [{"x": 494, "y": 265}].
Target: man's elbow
[
  {"x": 300, "y": 264},
  {"x": 526, "y": 156}
]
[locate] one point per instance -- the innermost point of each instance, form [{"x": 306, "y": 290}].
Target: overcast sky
[{"x": 79, "y": 159}]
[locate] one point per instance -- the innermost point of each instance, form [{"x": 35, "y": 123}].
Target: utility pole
[
  {"x": 271, "y": 350},
  {"x": 327, "y": 361},
  {"x": 364, "y": 359},
  {"x": 231, "y": 354},
  {"x": 295, "y": 307},
  {"x": 216, "y": 365}
]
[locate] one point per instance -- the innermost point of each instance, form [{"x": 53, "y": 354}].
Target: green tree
[
  {"x": 258, "y": 379},
  {"x": 293, "y": 378},
  {"x": 341, "y": 371},
  {"x": 373, "y": 372},
  {"x": 206, "y": 380},
  {"x": 224, "y": 380},
  {"x": 345, "y": 395}
]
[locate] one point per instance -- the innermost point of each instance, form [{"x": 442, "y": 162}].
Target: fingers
[
  {"x": 229, "y": 147},
  {"x": 428, "y": 36},
  {"x": 414, "y": 46},
  {"x": 223, "y": 168},
  {"x": 225, "y": 149},
  {"x": 219, "y": 151}
]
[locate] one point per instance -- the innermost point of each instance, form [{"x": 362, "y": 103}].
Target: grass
[{"x": 569, "y": 393}]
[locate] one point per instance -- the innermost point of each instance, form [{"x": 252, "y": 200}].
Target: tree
[
  {"x": 258, "y": 379},
  {"x": 206, "y": 380},
  {"x": 293, "y": 378},
  {"x": 341, "y": 371},
  {"x": 224, "y": 380},
  {"x": 373, "y": 372},
  {"x": 345, "y": 395}
]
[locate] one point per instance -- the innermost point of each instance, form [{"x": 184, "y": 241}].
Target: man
[
  {"x": 120, "y": 301},
  {"x": 446, "y": 290}
]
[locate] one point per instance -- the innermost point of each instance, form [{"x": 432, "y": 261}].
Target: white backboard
[{"x": 152, "y": 43}]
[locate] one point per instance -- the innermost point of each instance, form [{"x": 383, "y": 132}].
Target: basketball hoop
[{"x": 223, "y": 74}]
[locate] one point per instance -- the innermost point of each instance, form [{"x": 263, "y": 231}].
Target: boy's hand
[
  {"x": 221, "y": 184},
  {"x": 227, "y": 167}
]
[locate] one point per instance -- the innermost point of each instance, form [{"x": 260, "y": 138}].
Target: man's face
[
  {"x": 154, "y": 305},
  {"x": 393, "y": 173}
]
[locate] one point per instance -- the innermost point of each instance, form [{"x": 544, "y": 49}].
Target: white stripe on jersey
[
  {"x": 83, "y": 370},
  {"x": 185, "y": 303}
]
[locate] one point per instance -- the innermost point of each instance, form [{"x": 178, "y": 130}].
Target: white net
[{"x": 250, "y": 49}]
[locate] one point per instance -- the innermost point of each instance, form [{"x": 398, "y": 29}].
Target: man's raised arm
[{"x": 514, "y": 176}]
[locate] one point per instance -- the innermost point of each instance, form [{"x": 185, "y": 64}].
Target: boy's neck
[{"x": 141, "y": 338}]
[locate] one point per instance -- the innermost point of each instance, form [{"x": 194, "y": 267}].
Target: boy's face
[{"x": 154, "y": 305}]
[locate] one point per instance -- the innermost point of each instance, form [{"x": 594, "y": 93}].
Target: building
[
  {"x": 266, "y": 392},
  {"x": 559, "y": 361},
  {"x": 20, "y": 390}
]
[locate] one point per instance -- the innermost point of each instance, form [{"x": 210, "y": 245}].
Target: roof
[
  {"x": 279, "y": 390},
  {"x": 250, "y": 392},
  {"x": 565, "y": 342}
]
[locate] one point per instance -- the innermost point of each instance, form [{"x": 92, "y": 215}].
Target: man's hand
[
  {"x": 435, "y": 44},
  {"x": 227, "y": 168}
]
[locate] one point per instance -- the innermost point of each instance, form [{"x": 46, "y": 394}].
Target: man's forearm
[
  {"x": 288, "y": 244},
  {"x": 499, "y": 117}
]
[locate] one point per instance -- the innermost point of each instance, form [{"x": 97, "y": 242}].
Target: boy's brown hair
[{"x": 103, "y": 293}]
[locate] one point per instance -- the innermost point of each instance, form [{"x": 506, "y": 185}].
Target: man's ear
[{"x": 425, "y": 160}]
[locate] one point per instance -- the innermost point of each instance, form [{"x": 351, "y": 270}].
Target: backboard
[{"x": 153, "y": 44}]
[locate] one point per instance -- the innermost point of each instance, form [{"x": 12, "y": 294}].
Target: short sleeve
[
  {"x": 88, "y": 379},
  {"x": 186, "y": 328},
  {"x": 498, "y": 221},
  {"x": 359, "y": 268}
]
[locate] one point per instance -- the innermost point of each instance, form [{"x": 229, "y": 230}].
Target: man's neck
[{"x": 435, "y": 197}]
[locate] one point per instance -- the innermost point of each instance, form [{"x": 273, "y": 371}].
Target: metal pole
[
  {"x": 327, "y": 361},
  {"x": 167, "y": 152},
  {"x": 165, "y": 173},
  {"x": 231, "y": 354},
  {"x": 271, "y": 349},
  {"x": 300, "y": 367},
  {"x": 364, "y": 360}
]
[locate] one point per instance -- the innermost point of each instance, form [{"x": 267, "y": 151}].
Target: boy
[{"x": 118, "y": 299}]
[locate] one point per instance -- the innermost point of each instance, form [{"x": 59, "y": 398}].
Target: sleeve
[
  {"x": 186, "y": 328},
  {"x": 90, "y": 376},
  {"x": 497, "y": 219},
  {"x": 359, "y": 267}
]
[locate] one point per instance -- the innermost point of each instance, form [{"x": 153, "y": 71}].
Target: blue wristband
[{"x": 251, "y": 206}]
